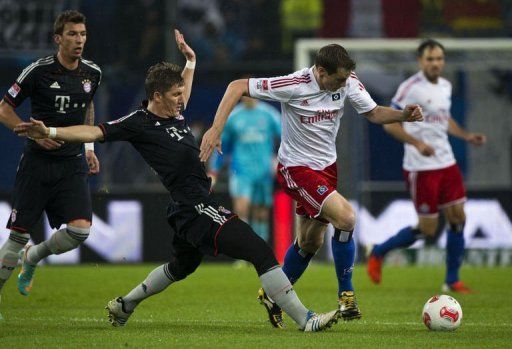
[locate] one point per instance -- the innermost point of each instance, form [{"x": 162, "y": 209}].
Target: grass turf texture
[{"x": 217, "y": 307}]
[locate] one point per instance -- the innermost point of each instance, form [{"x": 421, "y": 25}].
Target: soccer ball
[{"x": 442, "y": 313}]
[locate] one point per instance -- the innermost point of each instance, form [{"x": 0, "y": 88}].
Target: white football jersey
[
  {"x": 310, "y": 116},
  {"x": 435, "y": 101}
]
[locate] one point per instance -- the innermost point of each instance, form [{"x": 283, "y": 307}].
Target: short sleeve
[
  {"x": 358, "y": 97},
  {"x": 398, "y": 100},
  {"x": 122, "y": 129},
  {"x": 98, "y": 82},
  {"x": 280, "y": 89},
  {"x": 23, "y": 87},
  {"x": 405, "y": 94}
]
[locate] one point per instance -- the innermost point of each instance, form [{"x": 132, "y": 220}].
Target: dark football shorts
[
  {"x": 57, "y": 186},
  {"x": 199, "y": 234}
]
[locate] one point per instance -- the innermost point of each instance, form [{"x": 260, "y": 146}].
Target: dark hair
[
  {"x": 66, "y": 17},
  {"x": 332, "y": 57},
  {"x": 161, "y": 77},
  {"x": 429, "y": 43}
]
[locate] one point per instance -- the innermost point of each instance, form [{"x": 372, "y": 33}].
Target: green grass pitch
[{"x": 216, "y": 307}]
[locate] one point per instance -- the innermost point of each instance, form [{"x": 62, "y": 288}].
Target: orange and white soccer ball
[{"x": 442, "y": 313}]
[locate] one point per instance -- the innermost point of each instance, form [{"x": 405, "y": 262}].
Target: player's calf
[{"x": 9, "y": 254}]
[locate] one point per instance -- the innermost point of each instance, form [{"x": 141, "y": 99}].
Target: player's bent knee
[
  {"x": 238, "y": 240},
  {"x": 345, "y": 220},
  {"x": 311, "y": 245},
  {"x": 80, "y": 223},
  {"x": 180, "y": 268},
  {"x": 67, "y": 239}
]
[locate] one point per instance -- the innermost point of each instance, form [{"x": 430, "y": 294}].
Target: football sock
[
  {"x": 296, "y": 261},
  {"x": 278, "y": 287},
  {"x": 343, "y": 252},
  {"x": 155, "y": 282},
  {"x": 261, "y": 229},
  {"x": 9, "y": 254},
  {"x": 404, "y": 238},
  {"x": 454, "y": 252},
  {"x": 61, "y": 241}
]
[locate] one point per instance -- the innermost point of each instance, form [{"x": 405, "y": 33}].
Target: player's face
[
  {"x": 333, "y": 82},
  {"x": 172, "y": 102},
  {"x": 432, "y": 62},
  {"x": 72, "y": 41}
]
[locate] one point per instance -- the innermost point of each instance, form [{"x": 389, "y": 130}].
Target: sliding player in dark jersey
[
  {"x": 52, "y": 175},
  {"x": 200, "y": 226}
]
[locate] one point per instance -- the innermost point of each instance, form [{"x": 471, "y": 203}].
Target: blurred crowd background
[{"x": 231, "y": 38}]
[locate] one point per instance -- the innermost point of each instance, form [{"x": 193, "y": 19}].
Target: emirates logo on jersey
[
  {"x": 87, "y": 85},
  {"x": 320, "y": 115}
]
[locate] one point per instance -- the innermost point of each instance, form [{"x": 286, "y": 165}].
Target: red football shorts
[
  {"x": 435, "y": 189},
  {"x": 308, "y": 187}
]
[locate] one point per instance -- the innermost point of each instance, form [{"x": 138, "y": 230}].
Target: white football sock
[
  {"x": 155, "y": 282},
  {"x": 278, "y": 287}
]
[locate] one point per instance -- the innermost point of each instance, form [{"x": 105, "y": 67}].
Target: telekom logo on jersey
[
  {"x": 62, "y": 102},
  {"x": 319, "y": 116}
]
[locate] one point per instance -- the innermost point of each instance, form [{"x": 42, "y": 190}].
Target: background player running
[
  {"x": 249, "y": 140},
  {"x": 52, "y": 175},
  {"x": 312, "y": 103},
  {"x": 430, "y": 170},
  {"x": 160, "y": 134}
]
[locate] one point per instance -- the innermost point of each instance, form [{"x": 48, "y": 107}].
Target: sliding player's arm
[
  {"x": 82, "y": 133},
  {"x": 188, "y": 71}
]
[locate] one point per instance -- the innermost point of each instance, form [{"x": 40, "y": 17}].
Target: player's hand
[
  {"x": 211, "y": 140},
  {"x": 425, "y": 149},
  {"x": 412, "y": 112},
  {"x": 48, "y": 144},
  {"x": 92, "y": 162},
  {"x": 34, "y": 129},
  {"x": 183, "y": 47},
  {"x": 476, "y": 139}
]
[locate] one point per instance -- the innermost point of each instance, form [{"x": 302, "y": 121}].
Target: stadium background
[{"x": 232, "y": 38}]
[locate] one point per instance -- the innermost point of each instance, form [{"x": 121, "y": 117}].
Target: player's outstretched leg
[
  {"x": 182, "y": 264},
  {"x": 343, "y": 251},
  {"x": 61, "y": 241},
  {"x": 121, "y": 308},
  {"x": 237, "y": 240},
  {"x": 404, "y": 238}
]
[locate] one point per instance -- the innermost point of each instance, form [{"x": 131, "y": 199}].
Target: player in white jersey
[
  {"x": 430, "y": 170},
  {"x": 312, "y": 103}
]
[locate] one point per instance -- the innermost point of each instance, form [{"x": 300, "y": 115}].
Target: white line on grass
[{"x": 362, "y": 322}]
